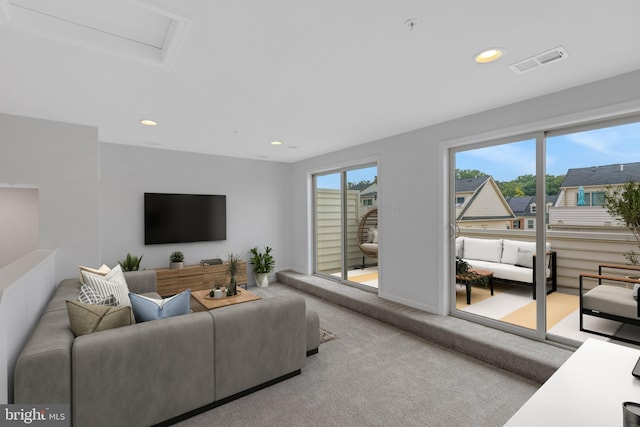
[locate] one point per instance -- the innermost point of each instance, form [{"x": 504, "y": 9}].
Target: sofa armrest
[
  {"x": 258, "y": 341},
  {"x": 141, "y": 282}
]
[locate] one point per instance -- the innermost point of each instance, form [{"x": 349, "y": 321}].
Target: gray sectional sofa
[{"x": 152, "y": 372}]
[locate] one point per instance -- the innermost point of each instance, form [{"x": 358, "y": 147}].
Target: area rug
[
  {"x": 477, "y": 294},
  {"x": 326, "y": 336},
  {"x": 362, "y": 278},
  {"x": 559, "y": 306}
]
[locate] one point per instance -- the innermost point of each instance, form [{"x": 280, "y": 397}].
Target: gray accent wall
[
  {"x": 61, "y": 160},
  {"x": 259, "y": 208}
]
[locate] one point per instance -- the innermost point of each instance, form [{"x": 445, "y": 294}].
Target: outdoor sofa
[
  {"x": 151, "y": 372},
  {"x": 511, "y": 261}
]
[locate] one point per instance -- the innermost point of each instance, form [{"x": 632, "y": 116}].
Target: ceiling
[{"x": 228, "y": 77}]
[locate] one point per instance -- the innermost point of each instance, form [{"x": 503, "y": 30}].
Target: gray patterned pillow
[{"x": 89, "y": 296}]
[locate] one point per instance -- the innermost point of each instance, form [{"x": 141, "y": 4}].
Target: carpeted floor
[{"x": 377, "y": 375}]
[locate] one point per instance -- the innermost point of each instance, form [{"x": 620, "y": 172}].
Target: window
[
  {"x": 597, "y": 198},
  {"x": 594, "y": 198},
  {"x": 516, "y": 224},
  {"x": 459, "y": 201},
  {"x": 530, "y": 224},
  {"x": 532, "y": 208}
]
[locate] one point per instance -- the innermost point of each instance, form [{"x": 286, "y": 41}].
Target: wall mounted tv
[{"x": 180, "y": 218}]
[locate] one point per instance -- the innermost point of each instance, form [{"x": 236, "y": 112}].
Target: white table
[{"x": 587, "y": 390}]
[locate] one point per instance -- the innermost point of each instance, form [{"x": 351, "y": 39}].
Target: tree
[
  {"x": 469, "y": 173},
  {"x": 623, "y": 203}
]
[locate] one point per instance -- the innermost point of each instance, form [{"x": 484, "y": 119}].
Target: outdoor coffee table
[
  {"x": 205, "y": 302},
  {"x": 467, "y": 282}
]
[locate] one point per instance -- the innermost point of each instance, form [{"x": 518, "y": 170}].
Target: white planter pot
[
  {"x": 262, "y": 280},
  {"x": 176, "y": 265}
]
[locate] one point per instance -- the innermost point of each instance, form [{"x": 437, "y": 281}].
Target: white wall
[
  {"x": 412, "y": 183},
  {"x": 61, "y": 160},
  {"x": 19, "y": 231},
  {"x": 258, "y": 202},
  {"x": 25, "y": 288}
]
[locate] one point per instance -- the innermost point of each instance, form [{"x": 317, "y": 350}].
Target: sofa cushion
[
  {"x": 113, "y": 283},
  {"x": 101, "y": 271},
  {"x": 88, "y": 296},
  {"x": 88, "y": 318},
  {"x": 146, "y": 309},
  {"x": 611, "y": 300},
  {"x": 510, "y": 250},
  {"x": 482, "y": 249},
  {"x": 525, "y": 259},
  {"x": 459, "y": 246}
]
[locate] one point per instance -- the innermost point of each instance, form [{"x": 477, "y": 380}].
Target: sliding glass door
[
  {"x": 530, "y": 217},
  {"x": 346, "y": 225}
]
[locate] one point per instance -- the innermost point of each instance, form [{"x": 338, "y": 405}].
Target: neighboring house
[
  {"x": 580, "y": 202},
  {"x": 525, "y": 210},
  {"x": 369, "y": 196},
  {"x": 480, "y": 204}
]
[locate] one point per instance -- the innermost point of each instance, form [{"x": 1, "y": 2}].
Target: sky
[
  {"x": 612, "y": 145},
  {"x": 333, "y": 180}
]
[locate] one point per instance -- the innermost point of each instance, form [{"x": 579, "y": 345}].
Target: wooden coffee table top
[{"x": 208, "y": 303}]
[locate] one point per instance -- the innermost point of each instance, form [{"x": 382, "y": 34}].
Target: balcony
[{"x": 577, "y": 252}]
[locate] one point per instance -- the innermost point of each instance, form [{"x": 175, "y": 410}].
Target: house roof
[
  {"x": 520, "y": 204},
  {"x": 470, "y": 184},
  {"x": 602, "y": 175}
]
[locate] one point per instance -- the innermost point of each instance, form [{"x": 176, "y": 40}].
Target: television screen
[{"x": 180, "y": 218}]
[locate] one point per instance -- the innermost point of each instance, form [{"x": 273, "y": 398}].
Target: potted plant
[
  {"x": 176, "y": 260},
  {"x": 233, "y": 264},
  {"x": 263, "y": 264},
  {"x": 130, "y": 263},
  {"x": 465, "y": 272},
  {"x": 623, "y": 203}
]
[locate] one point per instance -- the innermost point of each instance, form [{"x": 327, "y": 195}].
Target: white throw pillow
[
  {"x": 104, "y": 269},
  {"x": 113, "y": 283},
  {"x": 459, "y": 246},
  {"x": 483, "y": 249},
  {"x": 370, "y": 235},
  {"x": 635, "y": 290},
  {"x": 510, "y": 250},
  {"x": 375, "y": 236},
  {"x": 525, "y": 259}
]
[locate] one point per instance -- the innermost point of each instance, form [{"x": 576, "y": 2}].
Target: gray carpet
[{"x": 377, "y": 375}]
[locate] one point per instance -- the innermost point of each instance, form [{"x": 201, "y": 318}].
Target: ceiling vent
[{"x": 539, "y": 60}]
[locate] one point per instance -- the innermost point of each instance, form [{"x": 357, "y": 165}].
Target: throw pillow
[
  {"x": 145, "y": 308},
  {"x": 113, "y": 283},
  {"x": 375, "y": 235},
  {"x": 88, "y": 296},
  {"x": 636, "y": 287},
  {"x": 88, "y": 318},
  {"x": 370, "y": 235},
  {"x": 104, "y": 269},
  {"x": 524, "y": 259}
]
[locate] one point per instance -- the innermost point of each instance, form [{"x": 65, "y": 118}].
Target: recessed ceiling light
[
  {"x": 148, "y": 122},
  {"x": 489, "y": 55},
  {"x": 276, "y": 143}
]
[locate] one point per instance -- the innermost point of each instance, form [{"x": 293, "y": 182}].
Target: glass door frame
[
  {"x": 540, "y": 332},
  {"x": 343, "y": 224}
]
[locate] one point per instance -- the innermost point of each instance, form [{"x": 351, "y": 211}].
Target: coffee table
[
  {"x": 201, "y": 300},
  {"x": 468, "y": 282}
]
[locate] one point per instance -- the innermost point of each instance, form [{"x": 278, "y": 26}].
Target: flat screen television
[{"x": 181, "y": 218}]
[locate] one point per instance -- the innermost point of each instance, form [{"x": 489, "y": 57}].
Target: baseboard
[{"x": 228, "y": 399}]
